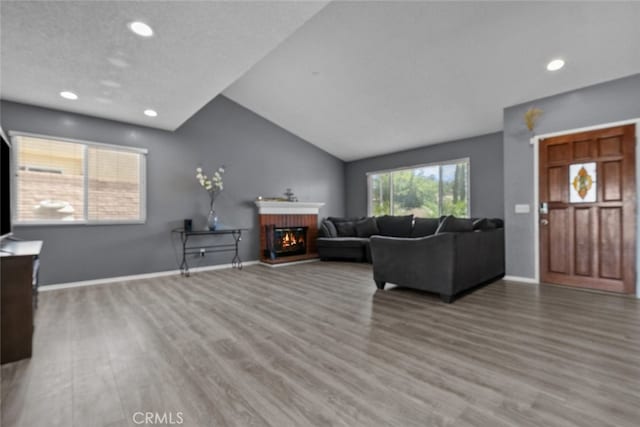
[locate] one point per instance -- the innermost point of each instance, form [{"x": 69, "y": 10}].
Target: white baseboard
[
  {"x": 106, "y": 280},
  {"x": 286, "y": 264},
  {"x": 521, "y": 279}
]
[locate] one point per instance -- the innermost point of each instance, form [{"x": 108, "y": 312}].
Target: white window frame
[
  {"x": 466, "y": 160},
  {"x": 86, "y": 221}
]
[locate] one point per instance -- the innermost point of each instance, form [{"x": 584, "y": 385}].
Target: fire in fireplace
[{"x": 285, "y": 241}]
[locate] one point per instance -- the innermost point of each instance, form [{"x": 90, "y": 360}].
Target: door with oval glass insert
[{"x": 588, "y": 224}]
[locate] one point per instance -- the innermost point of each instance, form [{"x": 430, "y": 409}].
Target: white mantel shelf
[{"x": 266, "y": 207}]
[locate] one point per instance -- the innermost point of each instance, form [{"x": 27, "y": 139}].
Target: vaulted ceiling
[
  {"x": 354, "y": 78},
  {"x": 197, "y": 50},
  {"x": 365, "y": 79}
]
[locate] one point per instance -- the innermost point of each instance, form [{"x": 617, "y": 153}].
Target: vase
[{"x": 212, "y": 220}]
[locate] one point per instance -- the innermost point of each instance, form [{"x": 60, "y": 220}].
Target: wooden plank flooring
[{"x": 316, "y": 344}]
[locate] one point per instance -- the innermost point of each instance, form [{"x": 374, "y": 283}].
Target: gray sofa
[
  {"x": 446, "y": 263},
  {"x": 348, "y": 238},
  {"x": 446, "y": 255}
]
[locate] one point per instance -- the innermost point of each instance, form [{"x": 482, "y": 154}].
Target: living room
[{"x": 160, "y": 297}]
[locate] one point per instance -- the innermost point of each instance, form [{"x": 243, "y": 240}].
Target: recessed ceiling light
[
  {"x": 150, "y": 113},
  {"x": 68, "y": 95},
  {"x": 555, "y": 65},
  {"x": 141, "y": 29}
]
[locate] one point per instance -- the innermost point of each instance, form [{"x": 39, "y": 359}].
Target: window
[
  {"x": 59, "y": 181},
  {"x": 427, "y": 191}
]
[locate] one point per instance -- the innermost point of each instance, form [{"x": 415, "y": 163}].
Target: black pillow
[
  {"x": 395, "y": 226},
  {"x": 498, "y": 222},
  {"x": 451, "y": 224},
  {"x": 424, "y": 227},
  {"x": 483, "y": 224},
  {"x": 328, "y": 229},
  {"x": 366, "y": 227},
  {"x": 346, "y": 228}
]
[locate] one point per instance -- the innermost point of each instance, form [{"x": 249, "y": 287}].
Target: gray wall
[
  {"x": 261, "y": 159},
  {"x": 486, "y": 180},
  {"x": 604, "y": 103}
]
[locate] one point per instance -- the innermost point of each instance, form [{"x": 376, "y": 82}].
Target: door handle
[{"x": 544, "y": 221}]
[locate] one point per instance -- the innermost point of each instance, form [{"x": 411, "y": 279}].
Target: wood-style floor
[{"x": 317, "y": 345}]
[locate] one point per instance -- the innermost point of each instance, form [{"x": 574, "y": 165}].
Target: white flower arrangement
[{"x": 213, "y": 185}]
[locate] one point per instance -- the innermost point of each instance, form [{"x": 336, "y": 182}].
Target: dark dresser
[{"x": 19, "y": 264}]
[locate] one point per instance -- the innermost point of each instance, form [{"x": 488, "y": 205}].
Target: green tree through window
[{"x": 425, "y": 191}]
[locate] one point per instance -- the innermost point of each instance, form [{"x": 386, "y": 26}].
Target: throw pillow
[
  {"x": 395, "y": 226},
  {"x": 346, "y": 229},
  {"x": 451, "y": 224},
  {"x": 424, "y": 227},
  {"x": 366, "y": 227},
  {"x": 483, "y": 224},
  {"x": 328, "y": 229},
  {"x": 498, "y": 222}
]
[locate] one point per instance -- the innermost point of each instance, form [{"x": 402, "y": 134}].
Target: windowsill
[{"x": 76, "y": 223}]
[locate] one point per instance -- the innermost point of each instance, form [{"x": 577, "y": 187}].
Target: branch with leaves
[{"x": 213, "y": 185}]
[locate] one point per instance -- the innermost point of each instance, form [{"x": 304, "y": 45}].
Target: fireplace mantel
[{"x": 266, "y": 207}]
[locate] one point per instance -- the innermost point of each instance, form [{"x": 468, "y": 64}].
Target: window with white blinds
[{"x": 59, "y": 181}]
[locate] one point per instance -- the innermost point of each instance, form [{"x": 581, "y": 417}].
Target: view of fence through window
[
  {"x": 425, "y": 191},
  {"x": 76, "y": 182}
]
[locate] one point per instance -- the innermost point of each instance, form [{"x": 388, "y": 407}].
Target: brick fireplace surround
[{"x": 288, "y": 214}]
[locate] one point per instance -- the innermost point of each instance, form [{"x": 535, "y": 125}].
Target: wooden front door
[{"x": 588, "y": 209}]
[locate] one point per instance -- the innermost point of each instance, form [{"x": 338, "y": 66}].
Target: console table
[
  {"x": 196, "y": 249},
  {"x": 19, "y": 264}
]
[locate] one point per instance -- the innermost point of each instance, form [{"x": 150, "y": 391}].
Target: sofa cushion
[
  {"x": 336, "y": 219},
  {"x": 366, "y": 227},
  {"x": 327, "y": 229},
  {"x": 342, "y": 242},
  {"x": 424, "y": 227},
  {"x": 395, "y": 226},
  {"x": 451, "y": 224}
]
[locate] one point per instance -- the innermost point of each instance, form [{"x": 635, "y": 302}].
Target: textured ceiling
[
  {"x": 367, "y": 78},
  {"x": 198, "y": 49},
  {"x": 356, "y": 79}
]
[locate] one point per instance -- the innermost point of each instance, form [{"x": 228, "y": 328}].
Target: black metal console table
[{"x": 235, "y": 233}]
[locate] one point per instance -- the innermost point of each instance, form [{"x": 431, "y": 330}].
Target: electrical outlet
[{"x": 202, "y": 251}]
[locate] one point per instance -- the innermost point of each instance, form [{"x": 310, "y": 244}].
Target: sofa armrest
[
  {"x": 479, "y": 256},
  {"x": 425, "y": 263}
]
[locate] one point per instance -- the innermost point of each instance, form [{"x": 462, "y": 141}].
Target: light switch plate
[{"x": 522, "y": 209}]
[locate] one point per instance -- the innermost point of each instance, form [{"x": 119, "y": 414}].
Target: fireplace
[
  {"x": 288, "y": 231},
  {"x": 285, "y": 241}
]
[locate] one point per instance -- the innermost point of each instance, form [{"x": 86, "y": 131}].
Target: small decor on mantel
[
  {"x": 213, "y": 185},
  {"x": 291, "y": 197}
]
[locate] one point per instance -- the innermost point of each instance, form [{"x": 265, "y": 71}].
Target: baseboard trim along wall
[
  {"x": 108, "y": 280},
  {"x": 521, "y": 279}
]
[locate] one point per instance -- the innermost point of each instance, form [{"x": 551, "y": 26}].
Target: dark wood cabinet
[{"x": 18, "y": 292}]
